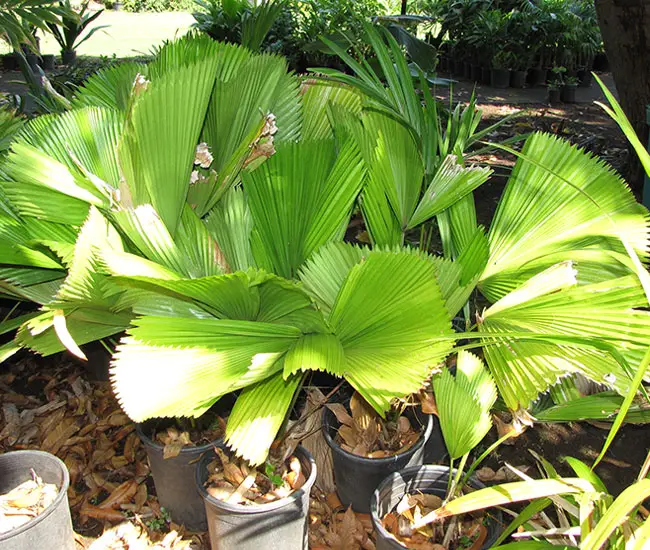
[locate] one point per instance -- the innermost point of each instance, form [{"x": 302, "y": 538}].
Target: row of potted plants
[
  {"x": 215, "y": 239},
  {"x": 70, "y": 29},
  {"x": 519, "y": 38}
]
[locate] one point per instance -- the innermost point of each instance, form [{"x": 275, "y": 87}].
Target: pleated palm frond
[
  {"x": 318, "y": 98},
  {"x": 84, "y": 285},
  {"x": 385, "y": 349},
  {"x": 84, "y": 140},
  {"x": 192, "y": 252},
  {"x": 158, "y": 148},
  {"x": 255, "y": 103},
  {"x": 591, "y": 329},
  {"x": 61, "y": 164},
  {"x": 398, "y": 185},
  {"x": 110, "y": 87},
  {"x": 255, "y": 317},
  {"x": 560, "y": 204},
  {"x": 342, "y": 279},
  {"x": 258, "y": 414},
  {"x": 230, "y": 223},
  {"x": 51, "y": 332},
  {"x": 29, "y": 268},
  {"x": 464, "y": 402},
  {"x": 300, "y": 199}
]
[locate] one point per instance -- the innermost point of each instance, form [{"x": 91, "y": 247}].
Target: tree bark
[{"x": 625, "y": 26}]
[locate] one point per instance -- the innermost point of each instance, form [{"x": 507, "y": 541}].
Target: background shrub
[{"x": 158, "y": 5}]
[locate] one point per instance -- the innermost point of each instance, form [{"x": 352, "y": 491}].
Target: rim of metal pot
[
  {"x": 185, "y": 450},
  {"x": 259, "y": 508},
  {"x": 424, "y": 435},
  {"x": 63, "y": 492}
]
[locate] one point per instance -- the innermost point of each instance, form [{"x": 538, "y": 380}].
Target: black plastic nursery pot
[
  {"x": 419, "y": 479},
  {"x": 518, "y": 79},
  {"x": 585, "y": 78},
  {"x": 467, "y": 70},
  {"x": 10, "y": 62},
  {"x": 357, "y": 477},
  {"x": 32, "y": 61},
  {"x": 568, "y": 93},
  {"x": 553, "y": 96},
  {"x": 537, "y": 77},
  {"x": 500, "y": 78},
  {"x": 475, "y": 74},
  {"x": 68, "y": 57},
  {"x": 52, "y": 528},
  {"x": 175, "y": 479},
  {"x": 279, "y": 525},
  {"x": 486, "y": 76},
  {"x": 601, "y": 63},
  {"x": 47, "y": 62}
]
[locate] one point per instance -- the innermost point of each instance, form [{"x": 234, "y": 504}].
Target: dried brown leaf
[{"x": 341, "y": 413}]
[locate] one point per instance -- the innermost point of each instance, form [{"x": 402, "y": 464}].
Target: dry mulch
[{"x": 51, "y": 405}]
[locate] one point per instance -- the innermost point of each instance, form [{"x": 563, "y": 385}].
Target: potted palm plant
[
  {"x": 183, "y": 232},
  {"x": 464, "y": 402},
  {"x": 555, "y": 84},
  {"x": 502, "y": 63},
  {"x": 72, "y": 26},
  {"x": 568, "y": 90}
]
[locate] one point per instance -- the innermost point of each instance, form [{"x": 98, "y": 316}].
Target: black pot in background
[
  {"x": 500, "y": 78},
  {"x": 585, "y": 78},
  {"x": 568, "y": 93},
  {"x": 518, "y": 79},
  {"x": 47, "y": 62},
  {"x": 475, "y": 73},
  {"x": 486, "y": 76},
  {"x": 68, "y": 57},
  {"x": 419, "y": 479},
  {"x": 52, "y": 528},
  {"x": 537, "y": 77},
  {"x": 175, "y": 479},
  {"x": 553, "y": 96},
  {"x": 443, "y": 64},
  {"x": 98, "y": 361},
  {"x": 467, "y": 70},
  {"x": 10, "y": 62},
  {"x": 32, "y": 60},
  {"x": 356, "y": 477},
  {"x": 279, "y": 525},
  {"x": 459, "y": 67},
  {"x": 601, "y": 63}
]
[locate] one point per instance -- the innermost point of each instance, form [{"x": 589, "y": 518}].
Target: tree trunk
[
  {"x": 403, "y": 10},
  {"x": 625, "y": 26}
]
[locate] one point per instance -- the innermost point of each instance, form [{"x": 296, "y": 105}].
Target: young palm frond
[{"x": 464, "y": 402}]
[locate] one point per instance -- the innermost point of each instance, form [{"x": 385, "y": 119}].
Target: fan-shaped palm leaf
[
  {"x": 552, "y": 303},
  {"x": 464, "y": 402},
  {"x": 561, "y": 204},
  {"x": 300, "y": 199}
]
